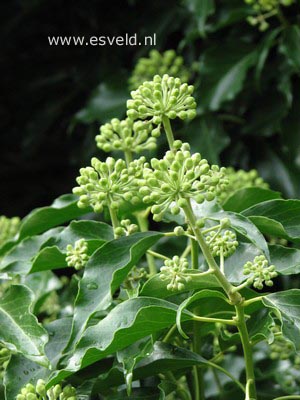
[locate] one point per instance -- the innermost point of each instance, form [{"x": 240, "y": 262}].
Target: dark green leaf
[
  {"x": 277, "y": 218},
  {"x": 125, "y": 324},
  {"x": 104, "y": 273},
  {"x": 63, "y": 209},
  {"x": 285, "y": 259},
  {"x": 290, "y": 45},
  {"x": 245, "y": 198},
  {"x": 286, "y": 305},
  {"x": 201, "y": 10},
  {"x": 19, "y": 328}
]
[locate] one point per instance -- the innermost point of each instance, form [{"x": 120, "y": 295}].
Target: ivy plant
[{"x": 158, "y": 278}]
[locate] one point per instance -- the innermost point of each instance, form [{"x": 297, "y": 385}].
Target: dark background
[{"x": 53, "y": 98}]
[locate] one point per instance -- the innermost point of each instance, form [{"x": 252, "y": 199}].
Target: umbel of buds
[
  {"x": 158, "y": 63},
  {"x": 38, "y": 392},
  {"x": 175, "y": 271},
  {"x": 164, "y": 96},
  {"x": 77, "y": 256},
  {"x": 261, "y": 272},
  {"x": 108, "y": 183},
  {"x": 179, "y": 176},
  {"x": 126, "y": 228},
  {"x": 126, "y": 136},
  {"x": 223, "y": 242}
]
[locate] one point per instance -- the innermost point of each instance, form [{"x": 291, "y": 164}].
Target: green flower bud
[
  {"x": 77, "y": 256},
  {"x": 127, "y": 136},
  {"x": 126, "y": 228},
  {"x": 158, "y": 64},
  {"x": 38, "y": 392},
  {"x": 179, "y": 176},
  {"x": 8, "y": 228},
  {"x": 224, "y": 242},
  {"x": 109, "y": 183},
  {"x": 163, "y": 96},
  {"x": 175, "y": 271},
  {"x": 261, "y": 272}
]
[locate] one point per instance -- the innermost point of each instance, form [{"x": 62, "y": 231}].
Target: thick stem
[
  {"x": 114, "y": 219},
  {"x": 128, "y": 156},
  {"x": 247, "y": 348},
  {"x": 168, "y": 130},
  {"x": 194, "y": 254},
  {"x": 144, "y": 225},
  {"x": 235, "y": 298}
]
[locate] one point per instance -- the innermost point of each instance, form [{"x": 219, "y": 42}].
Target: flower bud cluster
[
  {"x": 240, "y": 180},
  {"x": 4, "y": 359},
  {"x": 134, "y": 277},
  {"x": 261, "y": 272},
  {"x": 38, "y": 392},
  {"x": 179, "y": 176},
  {"x": 158, "y": 64},
  {"x": 163, "y": 96},
  {"x": 8, "y": 228},
  {"x": 77, "y": 256},
  {"x": 174, "y": 270},
  {"x": 126, "y": 228},
  {"x": 109, "y": 183},
  {"x": 264, "y": 10},
  {"x": 280, "y": 349},
  {"x": 127, "y": 135},
  {"x": 224, "y": 242}
]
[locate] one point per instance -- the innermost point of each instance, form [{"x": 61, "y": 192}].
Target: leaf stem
[
  {"x": 238, "y": 383},
  {"x": 113, "y": 217},
  {"x": 235, "y": 298},
  {"x": 247, "y": 349},
  {"x": 168, "y": 130},
  {"x": 157, "y": 255},
  {"x": 215, "y": 320},
  {"x": 144, "y": 226},
  {"x": 194, "y": 254},
  {"x": 254, "y": 300}
]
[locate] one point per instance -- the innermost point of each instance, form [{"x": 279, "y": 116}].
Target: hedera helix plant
[{"x": 167, "y": 324}]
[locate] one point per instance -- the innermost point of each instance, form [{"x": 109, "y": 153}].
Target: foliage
[{"x": 177, "y": 312}]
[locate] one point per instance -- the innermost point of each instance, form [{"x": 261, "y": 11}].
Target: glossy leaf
[
  {"x": 245, "y": 198},
  {"x": 201, "y": 10},
  {"x": 63, "y": 209},
  {"x": 285, "y": 259},
  {"x": 125, "y": 324},
  {"x": 104, "y": 273},
  {"x": 286, "y": 305},
  {"x": 19, "y": 328},
  {"x": 290, "y": 45},
  {"x": 277, "y": 218}
]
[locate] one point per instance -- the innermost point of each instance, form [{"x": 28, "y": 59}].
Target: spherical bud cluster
[
  {"x": 223, "y": 242},
  {"x": 164, "y": 96},
  {"x": 280, "y": 349},
  {"x": 264, "y": 10},
  {"x": 38, "y": 392},
  {"x": 261, "y": 272},
  {"x": 126, "y": 228},
  {"x": 126, "y": 135},
  {"x": 134, "y": 277},
  {"x": 240, "y": 180},
  {"x": 158, "y": 64},
  {"x": 109, "y": 183},
  {"x": 175, "y": 271},
  {"x": 77, "y": 256},
  {"x": 179, "y": 176},
  {"x": 4, "y": 359},
  {"x": 8, "y": 228}
]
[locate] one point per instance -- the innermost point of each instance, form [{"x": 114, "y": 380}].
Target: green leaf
[
  {"x": 21, "y": 370},
  {"x": 264, "y": 50},
  {"x": 201, "y": 10},
  {"x": 203, "y": 294},
  {"x": 290, "y": 45},
  {"x": 108, "y": 101},
  {"x": 248, "y": 197},
  {"x": 63, "y": 209},
  {"x": 286, "y": 305},
  {"x": 158, "y": 288},
  {"x": 95, "y": 233},
  {"x": 163, "y": 358},
  {"x": 104, "y": 273},
  {"x": 277, "y": 218},
  {"x": 285, "y": 259},
  {"x": 19, "y": 328},
  {"x": 125, "y": 324},
  {"x": 48, "y": 251},
  {"x": 223, "y": 70}
]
